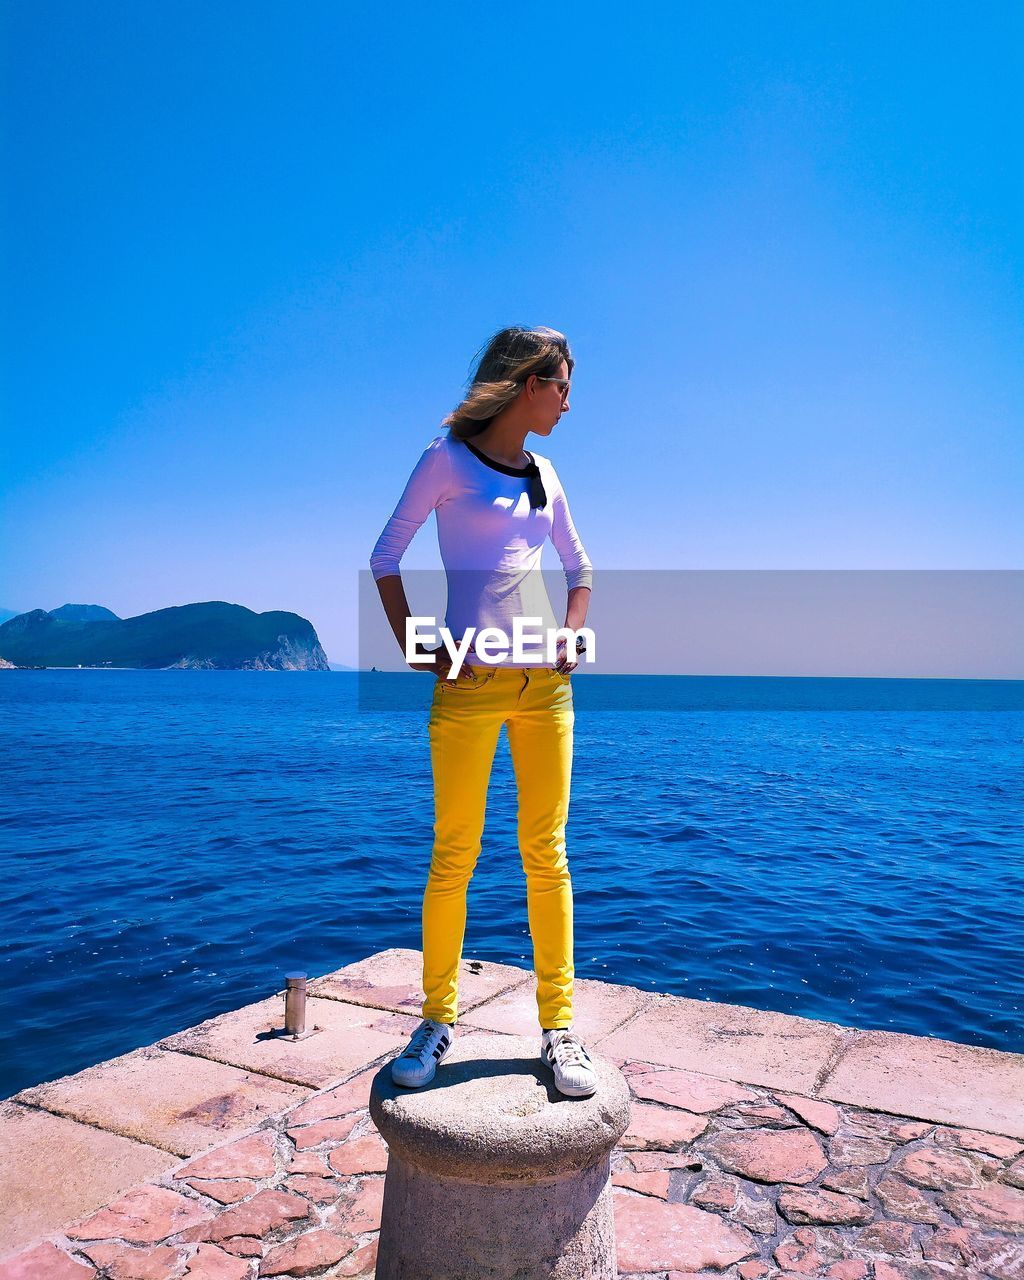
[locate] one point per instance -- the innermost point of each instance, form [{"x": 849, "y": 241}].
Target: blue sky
[{"x": 251, "y": 250}]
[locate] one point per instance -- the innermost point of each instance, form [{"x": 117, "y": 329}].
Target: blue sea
[{"x": 174, "y": 841}]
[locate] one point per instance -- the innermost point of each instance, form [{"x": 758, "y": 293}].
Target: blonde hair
[{"x": 502, "y": 367}]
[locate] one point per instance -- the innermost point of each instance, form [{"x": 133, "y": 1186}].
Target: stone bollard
[{"x": 492, "y": 1173}]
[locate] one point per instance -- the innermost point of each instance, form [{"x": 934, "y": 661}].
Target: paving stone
[
  {"x": 1014, "y": 1174},
  {"x": 659, "y": 1128},
  {"x": 211, "y": 1263},
  {"x": 630, "y": 1066},
  {"x": 349, "y": 1037},
  {"x": 391, "y": 980},
  {"x": 265, "y": 1212},
  {"x": 360, "y": 1155},
  {"x": 251, "y": 1157},
  {"x": 169, "y": 1100},
  {"x": 242, "y": 1246},
  {"x": 754, "y": 1269},
  {"x": 353, "y": 1095},
  {"x": 950, "y": 1244},
  {"x": 53, "y": 1170},
  {"x": 652, "y": 1235},
  {"x": 851, "y": 1182},
  {"x": 845, "y": 1151},
  {"x": 973, "y": 1140},
  {"x": 119, "y": 1262},
  {"x": 807, "y": 1251},
  {"x": 44, "y": 1262},
  {"x": 598, "y": 1008},
  {"x": 936, "y": 1170},
  {"x": 143, "y": 1216},
  {"x": 319, "y": 1190},
  {"x": 653, "y": 1161},
  {"x": 809, "y": 1206},
  {"x": 786, "y": 1155},
  {"x": 312, "y": 1135},
  {"x": 993, "y": 1207},
  {"x": 730, "y": 1042},
  {"x": 360, "y": 1263},
  {"x": 887, "y": 1237},
  {"x": 847, "y": 1269},
  {"x": 904, "y": 1201},
  {"x": 1001, "y": 1257},
  {"x": 717, "y": 1194},
  {"x": 886, "y": 1270},
  {"x": 308, "y": 1162},
  {"x": 686, "y": 1089},
  {"x": 359, "y": 1212},
  {"x": 872, "y": 1124},
  {"x": 926, "y": 1078},
  {"x": 648, "y": 1184},
  {"x": 306, "y": 1255},
  {"x": 819, "y": 1115},
  {"x": 756, "y": 1211},
  {"x": 223, "y": 1190},
  {"x": 911, "y": 1130},
  {"x": 761, "y": 1115}
]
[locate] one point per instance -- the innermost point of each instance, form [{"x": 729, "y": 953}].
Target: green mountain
[
  {"x": 213, "y": 635},
  {"x": 84, "y": 613}
]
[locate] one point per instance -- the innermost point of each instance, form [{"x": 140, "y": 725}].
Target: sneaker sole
[
  {"x": 419, "y": 1084},
  {"x": 576, "y": 1093}
]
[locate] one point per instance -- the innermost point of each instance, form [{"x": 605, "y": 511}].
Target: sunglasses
[{"x": 562, "y": 382}]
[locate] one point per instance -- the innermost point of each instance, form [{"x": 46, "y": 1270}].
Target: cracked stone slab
[
  {"x": 729, "y": 1042},
  {"x": 170, "y": 1100},
  {"x": 652, "y": 1236},
  {"x": 598, "y": 1008},
  {"x": 391, "y": 980},
  {"x": 45, "y": 1262},
  {"x": 931, "y": 1079},
  {"x": 350, "y": 1036},
  {"x": 53, "y": 1169}
]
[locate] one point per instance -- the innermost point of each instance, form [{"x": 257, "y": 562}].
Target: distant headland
[{"x": 212, "y": 636}]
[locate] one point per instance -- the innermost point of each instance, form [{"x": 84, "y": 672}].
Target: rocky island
[{"x": 213, "y": 635}]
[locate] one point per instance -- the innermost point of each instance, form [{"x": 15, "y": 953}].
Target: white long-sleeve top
[{"x": 489, "y": 536}]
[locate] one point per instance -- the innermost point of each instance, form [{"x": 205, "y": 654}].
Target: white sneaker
[
  {"x": 428, "y": 1045},
  {"x": 563, "y": 1052}
]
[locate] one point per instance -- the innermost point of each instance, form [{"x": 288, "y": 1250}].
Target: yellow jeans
[{"x": 465, "y": 719}]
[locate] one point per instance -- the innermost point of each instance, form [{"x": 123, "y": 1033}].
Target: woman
[{"x": 496, "y": 504}]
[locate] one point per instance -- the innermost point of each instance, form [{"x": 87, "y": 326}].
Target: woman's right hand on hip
[{"x": 441, "y": 665}]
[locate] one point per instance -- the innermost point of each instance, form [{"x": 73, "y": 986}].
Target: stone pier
[{"x": 761, "y": 1145}]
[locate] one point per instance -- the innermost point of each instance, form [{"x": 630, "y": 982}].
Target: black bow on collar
[
  {"x": 535, "y": 485},
  {"x": 531, "y": 473}
]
